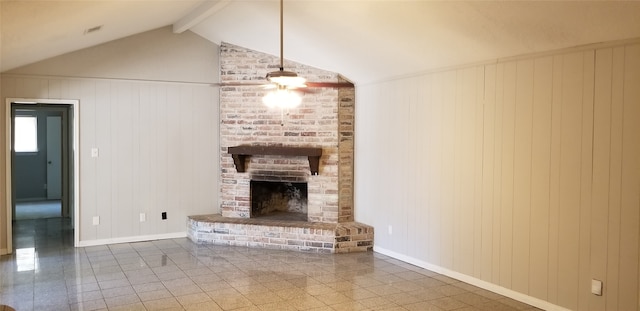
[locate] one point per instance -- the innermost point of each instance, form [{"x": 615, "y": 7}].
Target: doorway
[{"x": 43, "y": 166}]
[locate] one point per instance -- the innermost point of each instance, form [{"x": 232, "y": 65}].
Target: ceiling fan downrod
[
  {"x": 287, "y": 79},
  {"x": 281, "y": 35}
]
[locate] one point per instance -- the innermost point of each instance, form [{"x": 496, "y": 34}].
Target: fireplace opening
[{"x": 278, "y": 200}]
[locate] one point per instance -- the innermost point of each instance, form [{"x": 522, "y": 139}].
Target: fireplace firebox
[{"x": 278, "y": 200}]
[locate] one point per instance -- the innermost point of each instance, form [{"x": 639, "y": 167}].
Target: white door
[{"x": 54, "y": 157}]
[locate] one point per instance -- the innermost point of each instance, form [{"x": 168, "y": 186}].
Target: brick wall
[{"x": 324, "y": 119}]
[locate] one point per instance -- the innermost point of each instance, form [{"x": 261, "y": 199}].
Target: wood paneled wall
[
  {"x": 157, "y": 146},
  {"x": 524, "y": 173}
]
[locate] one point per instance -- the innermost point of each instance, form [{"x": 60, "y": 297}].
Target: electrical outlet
[
  {"x": 95, "y": 152},
  {"x": 596, "y": 287},
  {"x": 96, "y": 220},
  {"x": 143, "y": 217},
  {"x": 390, "y": 230},
  {"x": 164, "y": 215}
]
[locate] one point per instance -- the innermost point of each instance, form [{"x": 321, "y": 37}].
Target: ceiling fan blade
[
  {"x": 329, "y": 84},
  {"x": 241, "y": 84},
  {"x": 268, "y": 85},
  {"x": 305, "y": 90}
]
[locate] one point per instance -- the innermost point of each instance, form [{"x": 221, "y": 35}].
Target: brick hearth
[
  {"x": 324, "y": 120},
  {"x": 277, "y": 234}
]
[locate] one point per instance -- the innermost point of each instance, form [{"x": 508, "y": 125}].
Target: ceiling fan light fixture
[
  {"x": 287, "y": 79},
  {"x": 282, "y": 98}
]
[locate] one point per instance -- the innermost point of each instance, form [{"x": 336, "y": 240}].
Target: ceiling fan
[{"x": 288, "y": 80}]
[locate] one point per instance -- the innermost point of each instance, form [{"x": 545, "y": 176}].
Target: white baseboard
[
  {"x": 140, "y": 238},
  {"x": 536, "y": 302}
]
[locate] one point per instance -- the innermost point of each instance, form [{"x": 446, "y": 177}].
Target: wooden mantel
[{"x": 240, "y": 153}]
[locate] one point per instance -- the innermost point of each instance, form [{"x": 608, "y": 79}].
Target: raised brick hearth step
[{"x": 276, "y": 234}]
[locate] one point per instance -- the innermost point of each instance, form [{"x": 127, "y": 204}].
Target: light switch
[
  {"x": 596, "y": 287},
  {"x": 96, "y": 220},
  {"x": 95, "y": 153},
  {"x": 143, "y": 217}
]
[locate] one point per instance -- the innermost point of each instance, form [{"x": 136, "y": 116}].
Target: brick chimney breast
[{"x": 325, "y": 119}]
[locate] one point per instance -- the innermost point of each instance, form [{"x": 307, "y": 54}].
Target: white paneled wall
[
  {"x": 157, "y": 146},
  {"x": 523, "y": 175}
]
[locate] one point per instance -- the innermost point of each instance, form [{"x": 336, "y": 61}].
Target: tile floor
[{"x": 48, "y": 273}]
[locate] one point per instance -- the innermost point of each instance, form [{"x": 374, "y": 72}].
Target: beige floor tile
[
  {"x": 403, "y": 298},
  {"x": 366, "y": 281},
  {"x": 318, "y": 289},
  {"x": 448, "y": 303},
  {"x": 422, "y": 306},
  {"x": 214, "y": 286},
  {"x": 449, "y": 290},
  {"x": 117, "y": 291},
  {"x": 148, "y": 287},
  {"x": 154, "y": 295},
  {"x": 282, "y": 284},
  {"x": 333, "y": 298},
  {"x": 114, "y": 283},
  {"x": 466, "y": 286},
  {"x": 204, "y": 306},
  {"x": 191, "y": 299},
  {"x": 277, "y": 306},
  {"x": 494, "y": 305},
  {"x": 349, "y": 306},
  {"x": 410, "y": 275},
  {"x": 224, "y": 292},
  {"x": 471, "y": 299},
  {"x": 341, "y": 286},
  {"x": 121, "y": 300},
  {"x": 376, "y": 302},
  {"x": 185, "y": 290},
  {"x": 260, "y": 298},
  {"x": 252, "y": 289},
  {"x": 407, "y": 286},
  {"x": 162, "y": 304},
  {"x": 89, "y": 305},
  {"x": 392, "y": 308},
  {"x": 232, "y": 302},
  {"x": 85, "y": 296},
  {"x": 386, "y": 289},
  {"x": 305, "y": 302},
  {"x": 139, "y": 306},
  {"x": 290, "y": 293},
  {"x": 359, "y": 293}
]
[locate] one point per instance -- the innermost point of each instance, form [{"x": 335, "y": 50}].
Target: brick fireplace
[{"x": 311, "y": 145}]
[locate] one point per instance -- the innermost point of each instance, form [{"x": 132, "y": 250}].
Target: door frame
[{"x": 74, "y": 192}]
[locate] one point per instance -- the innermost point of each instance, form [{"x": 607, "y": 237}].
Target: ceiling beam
[{"x": 203, "y": 11}]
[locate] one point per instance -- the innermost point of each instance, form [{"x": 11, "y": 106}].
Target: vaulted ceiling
[{"x": 365, "y": 40}]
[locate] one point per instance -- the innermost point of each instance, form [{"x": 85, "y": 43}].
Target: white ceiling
[{"x": 365, "y": 40}]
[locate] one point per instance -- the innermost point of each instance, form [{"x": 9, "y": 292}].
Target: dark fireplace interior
[{"x": 279, "y": 200}]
